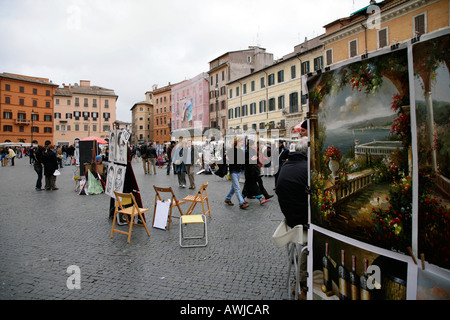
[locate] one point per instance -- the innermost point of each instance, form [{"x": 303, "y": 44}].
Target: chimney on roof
[{"x": 85, "y": 83}]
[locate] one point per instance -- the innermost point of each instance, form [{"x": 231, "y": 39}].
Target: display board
[
  {"x": 87, "y": 153},
  {"x": 379, "y": 163}
]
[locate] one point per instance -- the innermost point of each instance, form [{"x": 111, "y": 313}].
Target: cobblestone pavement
[{"x": 44, "y": 232}]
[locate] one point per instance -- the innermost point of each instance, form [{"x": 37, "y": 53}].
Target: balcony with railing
[{"x": 22, "y": 121}]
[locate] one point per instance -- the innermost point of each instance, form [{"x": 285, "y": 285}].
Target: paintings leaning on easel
[
  {"x": 379, "y": 168},
  {"x": 115, "y": 179},
  {"x": 361, "y": 159},
  {"x": 118, "y": 143}
]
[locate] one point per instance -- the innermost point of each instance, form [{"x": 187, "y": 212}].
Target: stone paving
[{"x": 44, "y": 232}]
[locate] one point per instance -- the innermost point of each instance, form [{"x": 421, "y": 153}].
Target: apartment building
[
  {"x": 274, "y": 97},
  {"x": 141, "y": 122},
  {"x": 161, "y": 117},
  {"x": 226, "y": 68},
  {"x": 82, "y": 110},
  {"x": 190, "y": 107},
  {"x": 26, "y": 109},
  {"x": 382, "y": 24}
]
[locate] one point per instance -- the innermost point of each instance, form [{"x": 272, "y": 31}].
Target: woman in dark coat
[
  {"x": 38, "y": 156},
  {"x": 252, "y": 174},
  {"x": 50, "y": 166}
]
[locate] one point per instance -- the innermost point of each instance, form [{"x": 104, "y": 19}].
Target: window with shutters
[
  {"x": 271, "y": 104},
  {"x": 419, "y": 24},
  {"x": 293, "y": 102},
  {"x": 280, "y": 102},
  {"x": 318, "y": 63},
  {"x": 383, "y": 38},
  {"x": 353, "y": 48},
  {"x": 329, "y": 55},
  {"x": 293, "y": 72},
  {"x": 305, "y": 67}
]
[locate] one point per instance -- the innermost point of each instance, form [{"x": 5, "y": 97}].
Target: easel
[
  {"x": 130, "y": 185},
  {"x": 174, "y": 202}
]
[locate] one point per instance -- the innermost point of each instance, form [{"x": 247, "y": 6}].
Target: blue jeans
[{"x": 235, "y": 188}]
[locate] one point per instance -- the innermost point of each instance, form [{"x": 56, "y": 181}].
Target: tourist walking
[
  {"x": 189, "y": 163},
  {"x": 169, "y": 156},
  {"x": 144, "y": 157},
  {"x": 179, "y": 167},
  {"x": 38, "y": 162},
  {"x": 252, "y": 174},
  {"x": 236, "y": 160},
  {"x": 151, "y": 155}
]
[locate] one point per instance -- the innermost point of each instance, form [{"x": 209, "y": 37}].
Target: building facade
[
  {"x": 228, "y": 67},
  {"x": 142, "y": 126},
  {"x": 190, "y": 107},
  {"x": 161, "y": 117},
  {"x": 275, "y": 96},
  {"x": 26, "y": 109},
  {"x": 382, "y": 24},
  {"x": 82, "y": 110}
]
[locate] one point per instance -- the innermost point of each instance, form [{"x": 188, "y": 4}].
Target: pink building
[{"x": 190, "y": 107}]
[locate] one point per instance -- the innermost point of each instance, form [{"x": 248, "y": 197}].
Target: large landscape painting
[{"x": 361, "y": 180}]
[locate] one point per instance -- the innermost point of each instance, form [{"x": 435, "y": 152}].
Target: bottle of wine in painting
[
  {"x": 365, "y": 291},
  {"x": 354, "y": 281},
  {"x": 326, "y": 287},
  {"x": 343, "y": 279}
]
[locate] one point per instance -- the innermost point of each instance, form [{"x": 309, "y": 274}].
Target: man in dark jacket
[
  {"x": 291, "y": 186},
  {"x": 50, "y": 166},
  {"x": 291, "y": 189},
  {"x": 151, "y": 155},
  {"x": 144, "y": 157}
]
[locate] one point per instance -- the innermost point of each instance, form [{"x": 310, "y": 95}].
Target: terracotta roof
[{"x": 26, "y": 78}]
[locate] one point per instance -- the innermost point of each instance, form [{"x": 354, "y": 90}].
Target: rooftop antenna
[{"x": 258, "y": 44}]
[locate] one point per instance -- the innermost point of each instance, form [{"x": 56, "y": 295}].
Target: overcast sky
[{"x": 129, "y": 45}]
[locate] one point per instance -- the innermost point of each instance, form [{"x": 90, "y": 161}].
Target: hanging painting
[
  {"x": 361, "y": 171},
  {"x": 432, "y": 106}
]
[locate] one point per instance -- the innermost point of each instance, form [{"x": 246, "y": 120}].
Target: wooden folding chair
[
  {"x": 200, "y": 197},
  {"x": 174, "y": 202},
  {"x": 123, "y": 199}
]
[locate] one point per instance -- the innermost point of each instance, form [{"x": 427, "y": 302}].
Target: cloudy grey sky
[{"x": 129, "y": 45}]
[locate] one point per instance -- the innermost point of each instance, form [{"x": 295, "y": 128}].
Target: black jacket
[
  {"x": 235, "y": 159},
  {"x": 291, "y": 189},
  {"x": 50, "y": 163},
  {"x": 151, "y": 152}
]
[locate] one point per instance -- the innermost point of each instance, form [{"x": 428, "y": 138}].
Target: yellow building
[
  {"x": 382, "y": 24},
  {"x": 142, "y": 126},
  {"x": 82, "y": 110},
  {"x": 272, "y": 97}
]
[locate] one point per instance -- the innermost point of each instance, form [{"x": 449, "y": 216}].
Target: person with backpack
[{"x": 144, "y": 157}]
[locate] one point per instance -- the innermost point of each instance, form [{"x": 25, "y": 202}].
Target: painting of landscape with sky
[{"x": 361, "y": 180}]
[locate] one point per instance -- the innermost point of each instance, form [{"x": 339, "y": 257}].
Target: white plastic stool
[{"x": 296, "y": 242}]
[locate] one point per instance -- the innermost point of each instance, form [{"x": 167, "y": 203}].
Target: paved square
[{"x": 44, "y": 232}]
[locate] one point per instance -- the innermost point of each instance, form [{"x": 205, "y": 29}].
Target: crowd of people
[{"x": 243, "y": 158}]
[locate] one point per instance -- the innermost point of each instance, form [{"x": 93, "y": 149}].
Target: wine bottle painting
[{"x": 340, "y": 272}]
